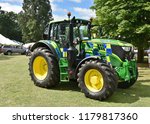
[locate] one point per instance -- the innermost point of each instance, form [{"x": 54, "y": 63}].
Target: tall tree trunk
[{"x": 140, "y": 55}]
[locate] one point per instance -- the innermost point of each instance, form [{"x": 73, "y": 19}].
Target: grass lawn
[{"x": 16, "y": 89}]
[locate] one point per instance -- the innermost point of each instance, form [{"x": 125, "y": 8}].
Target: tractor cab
[
  {"x": 60, "y": 32},
  {"x": 69, "y": 34}
]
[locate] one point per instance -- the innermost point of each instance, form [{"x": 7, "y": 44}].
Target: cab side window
[
  {"x": 53, "y": 32},
  {"x": 59, "y": 33}
]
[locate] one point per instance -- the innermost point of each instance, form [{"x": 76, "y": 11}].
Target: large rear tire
[
  {"x": 97, "y": 80},
  {"x": 44, "y": 68}
]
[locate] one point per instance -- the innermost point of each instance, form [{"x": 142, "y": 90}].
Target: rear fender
[{"x": 51, "y": 45}]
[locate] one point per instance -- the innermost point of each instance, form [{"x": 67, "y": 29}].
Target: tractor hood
[{"x": 112, "y": 42}]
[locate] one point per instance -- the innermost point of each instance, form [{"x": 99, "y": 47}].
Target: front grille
[{"x": 119, "y": 52}]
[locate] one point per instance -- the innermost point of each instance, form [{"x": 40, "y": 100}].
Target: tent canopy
[
  {"x": 27, "y": 45},
  {"x": 20, "y": 43},
  {"x": 6, "y": 41}
]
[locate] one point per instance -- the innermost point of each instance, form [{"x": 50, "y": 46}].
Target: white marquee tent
[
  {"x": 6, "y": 41},
  {"x": 27, "y": 45}
]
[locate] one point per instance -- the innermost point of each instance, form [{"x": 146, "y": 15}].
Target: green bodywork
[{"x": 126, "y": 70}]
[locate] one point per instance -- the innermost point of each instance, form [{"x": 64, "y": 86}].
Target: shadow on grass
[
  {"x": 143, "y": 73},
  {"x": 67, "y": 86},
  {"x": 132, "y": 94}
]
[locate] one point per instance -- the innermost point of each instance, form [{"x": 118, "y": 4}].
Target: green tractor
[{"x": 68, "y": 52}]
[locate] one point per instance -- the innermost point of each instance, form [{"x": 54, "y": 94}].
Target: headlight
[{"x": 127, "y": 49}]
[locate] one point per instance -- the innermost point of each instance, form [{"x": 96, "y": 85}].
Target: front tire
[
  {"x": 97, "y": 80},
  {"x": 44, "y": 68}
]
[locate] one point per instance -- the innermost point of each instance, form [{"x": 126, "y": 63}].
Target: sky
[{"x": 60, "y": 8}]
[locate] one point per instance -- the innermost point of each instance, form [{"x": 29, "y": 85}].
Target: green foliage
[
  {"x": 128, "y": 20},
  {"x": 33, "y": 19},
  {"x": 9, "y": 26}
]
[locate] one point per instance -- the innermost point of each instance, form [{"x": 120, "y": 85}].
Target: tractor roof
[{"x": 67, "y": 21}]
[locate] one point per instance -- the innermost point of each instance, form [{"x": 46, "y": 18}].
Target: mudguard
[
  {"x": 51, "y": 45},
  {"x": 86, "y": 59}
]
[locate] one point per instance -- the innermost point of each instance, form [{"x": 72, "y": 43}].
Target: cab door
[{"x": 59, "y": 33}]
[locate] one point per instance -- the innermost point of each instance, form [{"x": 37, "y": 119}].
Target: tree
[
  {"x": 33, "y": 19},
  {"x": 128, "y": 20},
  {"x": 9, "y": 26}
]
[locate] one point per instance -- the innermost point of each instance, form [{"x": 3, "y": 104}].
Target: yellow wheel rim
[
  {"x": 40, "y": 68},
  {"x": 94, "y": 80}
]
